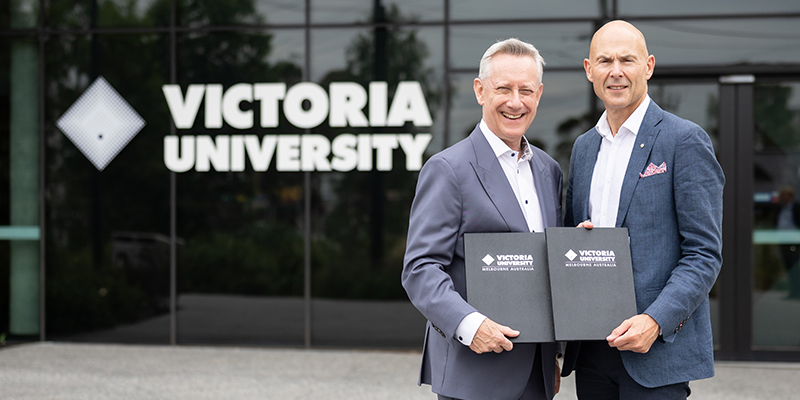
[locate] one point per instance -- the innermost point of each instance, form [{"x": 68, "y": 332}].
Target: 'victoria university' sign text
[{"x": 343, "y": 105}]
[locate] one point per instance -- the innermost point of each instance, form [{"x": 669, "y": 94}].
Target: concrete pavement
[{"x": 97, "y": 371}]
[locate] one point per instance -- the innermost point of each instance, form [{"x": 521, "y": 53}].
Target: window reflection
[
  {"x": 690, "y": 7},
  {"x": 478, "y": 9},
  {"x": 360, "y": 219},
  {"x": 776, "y": 236},
  {"x": 107, "y": 270},
  {"x": 562, "y": 45},
  {"x": 352, "y": 11},
  {"x": 710, "y": 42}
]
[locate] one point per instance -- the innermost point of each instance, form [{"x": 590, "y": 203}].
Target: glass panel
[
  {"x": 77, "y": 14},
  {"x": 197, "y": 13},
  {"x": 360, "y": 217},
  {"x": 5, "y": 112},
  {"x": 23, "y": 187},
  {"x": 563, "y": 112},
  {"x": 519, "y": 9},
  {"x": 351, "y": 11},
  {"x": 281, "y": 11},
  {"x": 240, "y": 277},
  {"x": 19, "y": 14},
  {"x": 776, "y": 235},
  {"x": 561, "y": 45},
  {"x": 697, "y": 102},
  {"x": 710, "y": 42},
  {"x": 690, "y": 8},
  {"x": 107, "y": 257}
]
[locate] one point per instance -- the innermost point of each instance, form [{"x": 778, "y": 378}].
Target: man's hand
[
  {"x": 586, "y": 224},
  {"x": 636, "y": 334},
  {"x": 492, "y": 337},
  {"x": 558, "y": 378}
]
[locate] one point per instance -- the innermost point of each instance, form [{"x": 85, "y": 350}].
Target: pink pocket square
[{"x": 652, "y": 169}]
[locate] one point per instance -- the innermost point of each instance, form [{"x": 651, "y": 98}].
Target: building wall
[{"x": 267, "y": 239}]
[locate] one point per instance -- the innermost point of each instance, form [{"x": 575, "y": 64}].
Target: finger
[
  {"x": 586, "y": 224},
  {"x": 557, "y": 386},
  {"x": 506, "y": 331},
  {"x": 621, "y": 343},
  {"x": 506, "y": 345},
  {"x": 619, "y": 330}
]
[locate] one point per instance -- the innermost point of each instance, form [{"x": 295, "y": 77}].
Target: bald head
[{"x": 619, "y": 32}]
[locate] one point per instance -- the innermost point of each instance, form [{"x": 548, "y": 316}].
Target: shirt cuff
[{"x": 468, "y": 327}]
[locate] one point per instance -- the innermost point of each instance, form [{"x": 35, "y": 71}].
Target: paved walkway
[{"x": 64, "y": 371}]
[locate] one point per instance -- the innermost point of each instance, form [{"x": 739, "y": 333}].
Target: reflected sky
[{"x": 712, "y": 7}]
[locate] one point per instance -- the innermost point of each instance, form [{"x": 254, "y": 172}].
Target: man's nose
[
  {"x": 515, "y": 100},
  {"x": 616, "y": 68}
]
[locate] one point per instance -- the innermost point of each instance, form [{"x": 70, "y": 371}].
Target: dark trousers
[
  {"x": 534, "y": 390},
  {"x": 600, "y": 375}
]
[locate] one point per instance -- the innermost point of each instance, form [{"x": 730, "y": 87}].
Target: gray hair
[{"x": 514, "y": 47}]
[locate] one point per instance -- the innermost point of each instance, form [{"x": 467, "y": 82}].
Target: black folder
[
  {"x": 508, "y": 282},
  {"x": 591, "y": 276}
]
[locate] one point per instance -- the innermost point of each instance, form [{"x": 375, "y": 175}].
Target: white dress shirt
[
  {"x": 518, "y": 172},
  {"x": 612, "y": 162}
]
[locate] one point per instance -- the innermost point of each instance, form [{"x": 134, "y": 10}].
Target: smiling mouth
[
  {"x": 617, "y": 87},
  {"x": 512, "y": 116}
]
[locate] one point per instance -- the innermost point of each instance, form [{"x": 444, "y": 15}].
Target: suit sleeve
[
  {"x": 434, "y": 226},
  {"x": 697, "y": 183}
]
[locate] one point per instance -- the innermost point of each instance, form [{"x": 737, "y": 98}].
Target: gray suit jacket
[
  {"x": 464, "y": 189},
  {"x": 674, "y": 220}
]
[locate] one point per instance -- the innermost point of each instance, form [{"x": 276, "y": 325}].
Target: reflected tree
[{"x": 364, "y": 225}]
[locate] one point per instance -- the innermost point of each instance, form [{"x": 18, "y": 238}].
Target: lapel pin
[{"x": 641, "y": 145}]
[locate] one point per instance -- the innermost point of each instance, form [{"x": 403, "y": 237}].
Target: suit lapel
[
  {"x": 648, "y": 132},
  {"x": 542, "y": 182},
  {"x": 495, "y": 183},
  {"x": 584, "y": 169}
]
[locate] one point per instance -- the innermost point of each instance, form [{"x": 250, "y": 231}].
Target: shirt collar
[
  {"x": 632, "y": 124},
  {"x": 500, "y": 148}
]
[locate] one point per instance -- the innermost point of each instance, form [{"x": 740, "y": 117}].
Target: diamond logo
[
  {"x": 487, "y": 260},
  {"x": 571, "y": 255},
  {"x": 100, "y": 123}
]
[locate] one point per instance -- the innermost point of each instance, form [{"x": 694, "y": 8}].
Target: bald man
[{"x": 656, "y": 174}]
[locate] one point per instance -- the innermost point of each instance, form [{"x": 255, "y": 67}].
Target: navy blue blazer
[
  {"x": 674, "y": 219},
  {"x": 463, "y": 189}
]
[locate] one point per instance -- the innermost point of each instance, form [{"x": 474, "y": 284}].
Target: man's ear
[
  {"x": 588, "y": 67},
  {"x": 477, "y": 86},
  {"x": 651, "y": 65}
]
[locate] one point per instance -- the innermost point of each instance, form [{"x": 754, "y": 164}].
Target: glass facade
[{"x": 246, "y": 175}]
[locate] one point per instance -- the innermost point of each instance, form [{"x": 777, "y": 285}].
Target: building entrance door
[{"x": 759, "y": 149}]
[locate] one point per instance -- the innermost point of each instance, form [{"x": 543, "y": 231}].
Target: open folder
[{"x": 562, "y": 285}]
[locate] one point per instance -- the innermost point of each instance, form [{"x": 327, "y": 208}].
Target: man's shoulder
[
  {"x": 681, "y": 128},
  {"x": 454, "y": 158},
  {"x": 458, "y": 152},
  {"x": 586, "y": 137},
  {"x": 678, "y": 122}
]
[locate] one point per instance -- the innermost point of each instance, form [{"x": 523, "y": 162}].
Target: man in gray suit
[
  {"x": 492, "y": 181},
  {"x": 656, "y": 174}
]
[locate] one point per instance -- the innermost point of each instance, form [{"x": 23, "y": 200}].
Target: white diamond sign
[
  {"x": 100, "y": 123},
  {"x": 571, "y": 255},
  {"x": 488, "y": 259}
]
